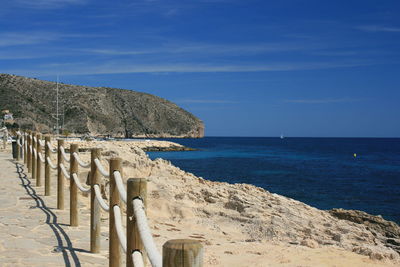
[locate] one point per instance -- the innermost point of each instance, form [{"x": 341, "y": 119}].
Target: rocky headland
[
  {"x": 94, "y": 110},
  {"x": 244, "y": 225}
]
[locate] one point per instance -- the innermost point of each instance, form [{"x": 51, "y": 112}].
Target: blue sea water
[{"x": 321, "y": 172}]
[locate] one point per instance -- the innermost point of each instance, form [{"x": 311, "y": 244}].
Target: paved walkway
[{"x": 32, "y": 231}]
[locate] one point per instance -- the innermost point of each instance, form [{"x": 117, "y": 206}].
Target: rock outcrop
[
  {"x": 385, "y": 231},
  {"x": 95, "y": 110},
  {"x": 249, "y": 216}
]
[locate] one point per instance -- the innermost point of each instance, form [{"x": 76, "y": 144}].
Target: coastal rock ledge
[
  {"x": 386, "y": 231},
  {"x": 244, "y": 225}
]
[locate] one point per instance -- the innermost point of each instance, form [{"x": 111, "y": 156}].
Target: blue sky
[{"x": 245, "y": 67}]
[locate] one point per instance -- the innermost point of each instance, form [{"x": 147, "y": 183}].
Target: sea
[{"x": 326, "y": 173}]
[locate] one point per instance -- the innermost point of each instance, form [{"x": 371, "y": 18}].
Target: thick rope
[
  {"x": 101, "y": 168},
  {"x": 80, "y": 162},
  {"x": 19, "y": 142},
  {"x": 63, "y": 154},
  {"x": 78, "y": 183},
  {"x": 51, "y": 164},
  {"x": 120, "y": 186},
  {"x": 41, "y": 158},
  {"x": 42, "y": 143},
  {"x": 66, "y": 174},
  {"x": 118, "y": 226},
  {"x": 137, "y": 259},
  {"x": 52, "y": 150},
  {"x": 145, "y": 234},
  {"x": 101, "y": 201}
]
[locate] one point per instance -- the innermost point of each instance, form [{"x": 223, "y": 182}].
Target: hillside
[{"x": 95, "y": 110}]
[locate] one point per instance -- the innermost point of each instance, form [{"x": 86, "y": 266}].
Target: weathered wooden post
[
  {"x": 38, "y": 161},
  {"x": 73, "y": 188},
  {"x": 137, "y": 188},
  {"x": 29, "y": 151},
  {"x": 21, "y": 148},
  {"x": 94, "y": 205},
  {"x": 5, "y": 134},
  {"x": 60, "y": 176},
  {"x": 182, "y": 253},
  {"x": 33, "y": 160},
  {"x": 18, "y": 148},
  {"x": 47, "y": 187},
  {"x": 114, "y": 247},
  {"x": 25, "y": 147}
]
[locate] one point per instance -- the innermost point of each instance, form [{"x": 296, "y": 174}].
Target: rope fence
[{"x": 136, "y": 240}]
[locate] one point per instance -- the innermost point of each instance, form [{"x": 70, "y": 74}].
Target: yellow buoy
[{"x": 355, "y": 155}]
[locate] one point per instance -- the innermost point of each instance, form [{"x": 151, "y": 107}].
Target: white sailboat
[{"x": 282, "y": 136}]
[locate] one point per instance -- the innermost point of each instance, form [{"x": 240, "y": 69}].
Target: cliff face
[{"x": 95, "y": 110}]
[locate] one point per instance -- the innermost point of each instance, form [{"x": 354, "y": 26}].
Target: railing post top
[
  {"x": 47, "y": 138},
  {"x": 115, "y": 165},
  {"x": 60, "y": 141},
  {"x": 116, "y": 159},
  {"x": 183, "y": 243},
  {"x": 74, "y": 147},
  {"x": 95, "y": 149},
  {"x": 136, "y": 180},
  {"x": 183, "y": 252}
]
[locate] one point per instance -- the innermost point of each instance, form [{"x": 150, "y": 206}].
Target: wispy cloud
[
  {"x": 322, "y": 100},
  {"x": 377, "y": 28},
  {"x": 24, "y": 38},
  {"x": 31, "y": 38},
  {"x": 48, "y": 4},
  {"x": 208, "y": 48},
  {"x": 120, "y": 68},
  {"x": 205, "y": 101}
]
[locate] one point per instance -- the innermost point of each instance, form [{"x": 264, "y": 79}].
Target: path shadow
[{"x": 51, "y": 220}]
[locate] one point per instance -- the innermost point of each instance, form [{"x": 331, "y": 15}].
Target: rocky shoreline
[{"x": 240, "y": 224}]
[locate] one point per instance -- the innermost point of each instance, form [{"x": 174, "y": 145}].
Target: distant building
[{"x": 7, "y": 116}]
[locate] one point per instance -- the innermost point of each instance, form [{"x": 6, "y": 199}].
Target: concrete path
[{"x": 32, "y": 231}]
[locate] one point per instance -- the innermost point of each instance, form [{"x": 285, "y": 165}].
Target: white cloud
[
  {"x": 322, "y": 100},
  {"x": 91, "y": 68},
  {"x": 377, "y": 28},
  {"x": 48, "y": 4},
  {"x": 207, "y": 48},
  {"x": 25, "y": 38},
  {"x": 205, "y": 101},
  {"x": 31, "y": 38}
]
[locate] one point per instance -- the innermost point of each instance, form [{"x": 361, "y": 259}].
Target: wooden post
[
  {"x": 21, "y": 150},
  {"x": 33, "y": 160},
  {"x": 38, "y": 161},
  {"x": 95, "y": 178},
  {"x": 60, "y": 176},
  {"x": 25, "y": 147},
  {"x": 73, "y": 188},
  {"x": 114, "y": 247},
  {"x": 29, "y": 152},
  {"x": 137, "y": 188},
  {"x": 18, "y": 148},
  {"x": 47, "y": 191},
  {"x": 182, "y": 253},
  {"x": 5, "y": 139}
]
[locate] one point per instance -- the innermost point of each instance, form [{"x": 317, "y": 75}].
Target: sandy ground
[{"x": 34, "y": 233}]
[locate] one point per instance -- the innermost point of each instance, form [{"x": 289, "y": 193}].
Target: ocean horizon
[{"x": 361, "y": 173}]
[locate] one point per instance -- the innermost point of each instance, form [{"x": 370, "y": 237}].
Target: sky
[{"x": 301, "y": 68}]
